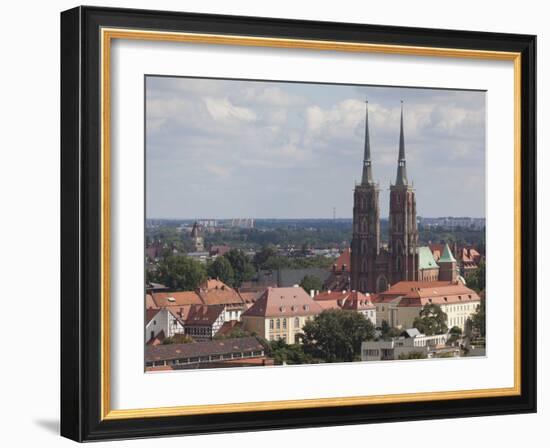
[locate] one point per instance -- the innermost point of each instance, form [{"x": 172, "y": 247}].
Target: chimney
[{"x": 312, "y": 293}]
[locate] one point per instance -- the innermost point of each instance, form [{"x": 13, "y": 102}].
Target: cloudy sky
[{"x": 228, "y": 148}]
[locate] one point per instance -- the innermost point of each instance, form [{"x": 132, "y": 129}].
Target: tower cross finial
[
  {"x": 367, "y": 178},
  {"x": 401, "y": 162}
]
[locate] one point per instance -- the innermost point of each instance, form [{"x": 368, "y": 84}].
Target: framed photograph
[{"x": 273, "y": 223}]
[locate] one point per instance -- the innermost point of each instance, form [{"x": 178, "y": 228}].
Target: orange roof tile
[
  {"x": 177, "y": 298},
  {"x": 290, "y": 301}
]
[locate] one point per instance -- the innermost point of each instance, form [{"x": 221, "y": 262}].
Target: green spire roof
[
  {"x": 447, "y": 256},
  {"x": 426, "y": 259}
]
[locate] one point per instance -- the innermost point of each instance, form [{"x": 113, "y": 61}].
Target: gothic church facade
[{"x": 375, "y": 267}]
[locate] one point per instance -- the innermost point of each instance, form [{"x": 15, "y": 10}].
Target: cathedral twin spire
[{"x": 367, "y": 178}]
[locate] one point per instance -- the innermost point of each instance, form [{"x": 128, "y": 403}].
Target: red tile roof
[
  {"x": 203, "y": 314},
  {"x": 421, "y": 293},
  {"x": 216, "y": 292},
  {"x": 177, "y": 298},
  {"x": 290, "y": 301},
  {"x": 149, "y": 302},
  {"x": 348, "y": 300},
  {"x": 344, "y": 260}
]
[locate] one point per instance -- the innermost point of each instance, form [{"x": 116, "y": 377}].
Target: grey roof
[
  {"x": 290, "y": 277},
  {"x": 411, "y": 333},
  {"x": 221, "y": 347}
]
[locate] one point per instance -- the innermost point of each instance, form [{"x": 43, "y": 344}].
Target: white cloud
[
  {"x": 250, "y": 137},
  {"x": 222, "y": 110}
]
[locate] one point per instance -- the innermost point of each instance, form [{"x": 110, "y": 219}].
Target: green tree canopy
[
  {"x": 476, "y": 281},
  {"x": 310, "y": 282},
  {"x": 432, "y": 320},
  {"x": 412, "y": 355},
  {"x": 221, "y": 268},
  {"x": 284, "y": 353},
  {"x": 478, "y": 318},
  {"x": 242, "y": 268},
  {"x": 181, "y": 272},
  {"x": 236, "y": 332},
  {"x": 336, "y": 335},
  {"x": 262, "y": 256},
  {"x": 387, "y": 331}
]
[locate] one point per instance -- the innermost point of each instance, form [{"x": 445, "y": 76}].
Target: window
[
  {"x": 296, "y": 322},
  {"x": 271, "y": 324},
  {"x": 284, "y": 324},
  {"x": 278, "y": 324}
]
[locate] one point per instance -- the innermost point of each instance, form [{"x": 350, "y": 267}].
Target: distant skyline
[{"x": 226, "y": 149}]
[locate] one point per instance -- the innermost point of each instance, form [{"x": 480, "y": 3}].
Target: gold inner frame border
[{"x": 107, "y": 35}]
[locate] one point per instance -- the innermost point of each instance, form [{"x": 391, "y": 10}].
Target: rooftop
[
  {"x": 290, "y": 301},
  {"x": 180, "y": 351}
]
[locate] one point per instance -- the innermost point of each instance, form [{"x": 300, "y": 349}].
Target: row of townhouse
[
  {"x": 200, "y": 314},
  {"x": 281, "y": 313}
]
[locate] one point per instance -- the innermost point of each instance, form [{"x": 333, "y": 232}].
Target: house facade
[
  {"x": 280, "y": 313},
  {"x": 409, "y": 342},
  {"x": 401, "y": 304},
  {"x": 162, "y": 323},
  {"x": 204, "y": 321},
  {"x": 348, "y": 300}
]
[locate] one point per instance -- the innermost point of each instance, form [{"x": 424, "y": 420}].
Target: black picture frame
[{"x": 81, "y": 224}]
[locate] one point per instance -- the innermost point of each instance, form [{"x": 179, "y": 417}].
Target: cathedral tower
[
  {"x": 403, "y": 231},
  {"x": 365, "y": 244},
  {"x": 198, "y": 241}
]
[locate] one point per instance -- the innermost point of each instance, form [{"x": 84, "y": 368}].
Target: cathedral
[{"x": 374, "y": 267}]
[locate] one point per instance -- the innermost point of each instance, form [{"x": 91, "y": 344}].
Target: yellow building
[
  {"x": 280, "y": 313},
  {"x": 401, "y": 304}
]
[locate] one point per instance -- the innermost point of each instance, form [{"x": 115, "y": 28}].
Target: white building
[
  {"x": 162, "y": 323},
  {"x": 411, "y": 341}
]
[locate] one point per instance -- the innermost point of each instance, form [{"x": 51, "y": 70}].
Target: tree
[
  {"x": 454, "y": 333},
  {"x": 242, "y": 268},
  {"x": 412, "y": 355},
  {"x": 262, "y": 256},
  {"x": 476, "y": 281},
  {"x": 236, "y": 332},
  {"x": 284, "y": 353},
  {"x": 181, "y": 272},
  {"x": 478, "y": 318},
  {"x": 221, "y": 268},
  {"x": 336, "y": 335},
  {"x": 387, "y": 331},
  {"x": 310, "y": 282},
  {"x": 432, "y": 320}
]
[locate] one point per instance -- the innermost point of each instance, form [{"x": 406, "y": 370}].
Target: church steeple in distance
[
  {"x": 367, "y": 178},
  {"x": 401, "y": 162}
]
